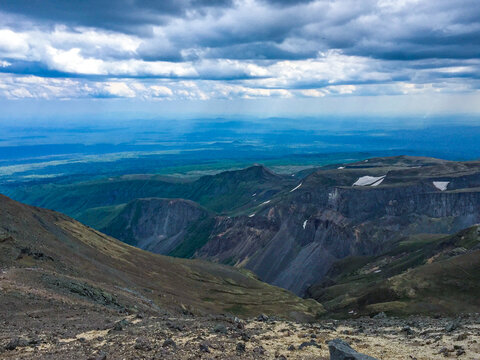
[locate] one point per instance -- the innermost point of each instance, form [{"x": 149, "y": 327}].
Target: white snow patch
[
  {"x": 368, "y": 180},
  {"x": 296, "y": 187},
  {"x": 265, "y": 202},
  {"x": 378, "y": 182},
  {"x": 441, "y": 185},
  {"x": 332, "y": 196},
  {"x": 305, "y": 224},
  {"x": 341, "y": 167}
]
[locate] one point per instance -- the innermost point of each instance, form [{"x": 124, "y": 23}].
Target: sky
[{"x": 258, "y": 57}]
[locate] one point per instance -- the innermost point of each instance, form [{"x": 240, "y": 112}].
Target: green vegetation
[
  {"x": 100, "y": 217},
  {"x": 421, "y": 274},
  {"x": 90, "y": 201},
  {"x": 197, "y": 236}
]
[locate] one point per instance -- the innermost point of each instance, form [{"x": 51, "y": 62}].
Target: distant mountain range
[{"x": 292, "y": 231}]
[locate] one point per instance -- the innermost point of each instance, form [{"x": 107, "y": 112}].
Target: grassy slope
[
  {"x": 422, "y": 274},
  {"x": 223, "y": 193},
  {"x": 100, "y": 217},
  {"x": 197, "y": 236},
  {"x": 82, "y": 255}
]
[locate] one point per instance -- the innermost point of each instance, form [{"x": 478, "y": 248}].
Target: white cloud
[
  {"x": 19, "y": 87},
  {"x": 12, "y": 43},
  {"x": 119, "y": 89},
  {"x": 94, "y": 41},
  {"x": 252, "y": 49},
  {"x": 343, "y": 89},
  {"x": 161, "y": 91},
  {"x": 72, "y": 61},
  {"x": 20, "y": 93},
  {"x": 232, "y": 91},
  {"x": 313, "y": 93}
]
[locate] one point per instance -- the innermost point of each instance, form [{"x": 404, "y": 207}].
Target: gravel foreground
[{"x": 83, "y": 334}]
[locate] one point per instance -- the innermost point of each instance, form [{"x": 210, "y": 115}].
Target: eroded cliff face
[
  {"x": 154, "y": 224},
  {"x": 293, "y": 240}
]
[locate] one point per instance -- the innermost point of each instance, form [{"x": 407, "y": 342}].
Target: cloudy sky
[{"x": 214, "y": 56}]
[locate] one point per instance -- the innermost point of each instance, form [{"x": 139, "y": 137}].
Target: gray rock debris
[
  {"x": 340, "y": 350},
  {"x": 380, "y": 315}
]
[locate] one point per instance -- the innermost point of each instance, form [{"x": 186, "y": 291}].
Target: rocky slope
[
  {"x": 156, "y": 225},
  {"x": 49, "y": 259}
]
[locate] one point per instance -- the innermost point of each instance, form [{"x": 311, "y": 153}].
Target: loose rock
[
  {"x": 120, "y": 325},
  {"x": 169, "y": 343},
  {"x": 452, "y": 326},
  {"x": 204, "y": 347},
  {"x": 241, "y": 347},
  {"x": 259, "y": 350},
  {"x": 143, "y": 344},
  {"x": 340, "y": 350},
  {"x": 262, "y": 317},
  {"x": 220, "y": 328},
  {"x": 309, "y": 343},
  {"x": 380, "y": 315}
]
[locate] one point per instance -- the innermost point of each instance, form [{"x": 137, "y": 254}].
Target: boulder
[
  {"x": 120, "y": 325},
  {"x": 340, "y": 350},
  {"x": 451, "y": 326},
  {"x": 380, "y": 315},
  {"x": 205, "y": 347},
  {"x": 169, "y": 343},
  {"x": 309, "y": 343},
  {"x": 220, "y": 328},
  {"x": 143, "y": 344},
  {"x": 262, "y": 317},
  {"x": 241, "y": 347}
]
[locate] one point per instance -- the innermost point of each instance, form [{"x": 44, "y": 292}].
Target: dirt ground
[{"x": 86, "y": 332}]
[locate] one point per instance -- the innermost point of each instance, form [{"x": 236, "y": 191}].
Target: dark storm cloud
[
  {"x": 258, "y": 51},
  {"x": 205, "y": 71},
  {"x": 242, "y": 44},
  {"x": 379, "y": 29},
  {"x": 126, "y": 15},
  {"x": 286, "y": 2},
  {"x": 38, "y": 68}
]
